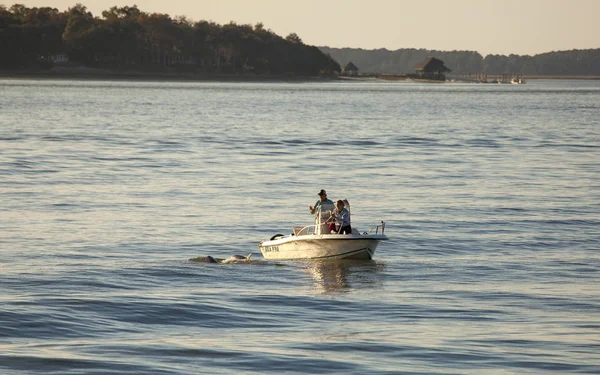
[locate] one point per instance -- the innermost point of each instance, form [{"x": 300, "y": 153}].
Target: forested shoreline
[
  {"x": 126, "y": 39},
  {"x": 557, "y": 63}
]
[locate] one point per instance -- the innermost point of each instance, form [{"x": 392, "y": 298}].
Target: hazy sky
[{"x": 487, "y": 26}]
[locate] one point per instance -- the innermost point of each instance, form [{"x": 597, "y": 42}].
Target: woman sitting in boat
[{"x": 341, "y": 215}]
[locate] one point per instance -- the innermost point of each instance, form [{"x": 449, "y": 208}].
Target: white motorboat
[{"x": 317, "y": 242}]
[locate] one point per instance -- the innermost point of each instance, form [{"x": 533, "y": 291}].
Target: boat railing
[
  {"x": 320, "y": 226},
  {"x": 376, "y": 228},
  {"x": 312, "y": 229},
  {"x": 303, "y": 231},
  {"x": 322, "y": 221}
]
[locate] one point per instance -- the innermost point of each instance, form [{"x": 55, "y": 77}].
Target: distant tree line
[
  {"x": 126, "y": 38},
  {"x": 574, "y": 62}
]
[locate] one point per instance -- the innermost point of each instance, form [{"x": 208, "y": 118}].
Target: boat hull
[{"x": 332, "y": 246}]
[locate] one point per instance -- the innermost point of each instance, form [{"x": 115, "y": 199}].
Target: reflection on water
[
  {"x": 335, "y": 276},
  {"x": 490, "y": 195}
]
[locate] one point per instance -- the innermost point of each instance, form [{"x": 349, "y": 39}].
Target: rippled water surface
[{"x": 490, "y": 194}]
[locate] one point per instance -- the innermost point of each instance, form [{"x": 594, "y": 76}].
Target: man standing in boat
[
  {"x": 321, "y": 212},
  {"x": 322, "y": 200}
]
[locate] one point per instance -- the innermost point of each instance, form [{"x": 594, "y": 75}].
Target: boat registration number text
[{"x": 271, "y": 249}]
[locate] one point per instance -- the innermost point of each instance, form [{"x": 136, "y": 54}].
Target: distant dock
[{"x": 508, "y": 78}]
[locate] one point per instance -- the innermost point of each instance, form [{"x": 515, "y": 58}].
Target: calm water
[{"x": 491, "y": 195}]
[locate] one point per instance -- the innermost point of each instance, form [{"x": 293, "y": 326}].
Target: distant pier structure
[
  {"x": 469, "y": 77},
  {"x": 432, "y": 69},
  {"x": 506, "y": 78},
  {"x": 350, "y": 69}
]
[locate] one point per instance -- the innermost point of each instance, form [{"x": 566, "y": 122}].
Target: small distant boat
[
  {"x": 517, "y": 81},
  {"x": 317, "y": 242}
]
